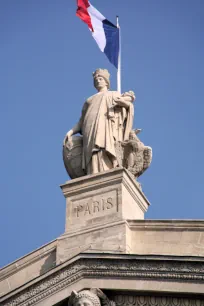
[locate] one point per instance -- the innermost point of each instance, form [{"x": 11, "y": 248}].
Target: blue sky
[{"x": 47, "y": 57}]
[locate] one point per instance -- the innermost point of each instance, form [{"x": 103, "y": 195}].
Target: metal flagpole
[{"x": 119, "y": 59}]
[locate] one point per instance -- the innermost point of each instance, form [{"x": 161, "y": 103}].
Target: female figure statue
[{"x": 106, "y": 119}]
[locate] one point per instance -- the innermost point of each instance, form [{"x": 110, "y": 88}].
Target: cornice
[
  {"x": 187, "y": 225},
  {"x": 124, "y": 267},
  {"x": 104, "y": 179},
  {"x": 28, "y": 259}
]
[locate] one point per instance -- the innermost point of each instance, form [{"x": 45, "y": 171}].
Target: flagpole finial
[{"x": 117, "y": 21}]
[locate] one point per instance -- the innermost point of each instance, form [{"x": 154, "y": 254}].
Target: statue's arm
[
  {"x": 120, "y": 101},
  {"x": 77, "y": 128}
]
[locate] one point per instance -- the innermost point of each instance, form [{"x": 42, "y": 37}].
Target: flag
[{"x": 103, "y": 31}]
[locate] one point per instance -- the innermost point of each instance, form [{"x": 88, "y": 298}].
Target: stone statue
[
  {"x": 105, "y": 125},
  {"x": 92, "y": 297},
  {"x": 137, "y": 156}
]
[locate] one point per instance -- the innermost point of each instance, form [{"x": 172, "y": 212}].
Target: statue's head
[
  {"x": 84, "y": 298},
  {"x": 101, "y": 79}
]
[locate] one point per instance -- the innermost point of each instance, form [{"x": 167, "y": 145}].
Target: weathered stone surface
[
  {"x": 106, "y": 127},
  {"x": 136, "y": 156},
  {"x": 72, "y": 157},
  {"x": 155, "y": 300},
  {"x": 165, "y": 237},
  {"x": 159, "y": 274},
  {"x": 104, "y": 230},
  {"x": 114, "y": 237},
  {"x": 102, "y": 198},
  {"x": 92, "y": 297},
  {"x": 143, "y": 237},
  {"x": 27, "y": 268}
]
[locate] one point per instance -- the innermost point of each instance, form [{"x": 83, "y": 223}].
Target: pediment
[{"x": 122, "y": 272}]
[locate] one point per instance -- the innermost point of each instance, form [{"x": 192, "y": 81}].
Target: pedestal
[{"x": 97, "y": 207}]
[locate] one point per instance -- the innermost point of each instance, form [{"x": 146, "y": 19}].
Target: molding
[
  {"x": 132, "y": 189},
  {"x": 136, "y": 198},
  {"x": 85, "y": 183},
  {"x": 124, "y": 267},
  {"x": 98, "y": 227},
  {"x": 142, "y": 300},
  {"x": 28, "y": 259},
  {"x": 102, "y": 179},
  {"x": 187, "y": 225}
]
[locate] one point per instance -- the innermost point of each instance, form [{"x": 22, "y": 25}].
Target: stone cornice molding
[
  {"x": 190, "y": 225},
  {"x": 159, "y": 268},
  {"x": 116, "y": 175},
  {"x": 131, "y": 300},
  {"x": 131, "y": 190},
  {"x": 28, "y": 259}
]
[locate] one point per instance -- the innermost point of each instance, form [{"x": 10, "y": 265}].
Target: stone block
[
  {"x": 167, "y": 237},
  {"x": 115, "y": 238},
  {"x": 27, "y": 268},
  {"x": 103, "y": 198}
]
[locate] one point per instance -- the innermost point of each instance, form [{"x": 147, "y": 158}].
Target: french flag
[{"x": 103, "y": 31}]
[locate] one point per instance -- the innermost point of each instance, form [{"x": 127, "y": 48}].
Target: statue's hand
[
  {"x": 120, "y": 101},
  {"x": 68, "y": 139}
]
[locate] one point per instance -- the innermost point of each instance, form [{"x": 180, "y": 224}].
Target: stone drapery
[{"x": 103, "y": 123}]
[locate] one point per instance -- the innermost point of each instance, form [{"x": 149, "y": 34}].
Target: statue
[
  {"x": 138, "y": 156},
  {"x": 92, "y": 297},
  {"x": 105, "y": 125}
]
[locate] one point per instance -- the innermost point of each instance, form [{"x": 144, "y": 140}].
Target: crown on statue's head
[{"x": 102, "y": 73}]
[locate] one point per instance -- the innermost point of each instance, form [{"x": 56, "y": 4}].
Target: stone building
[{"x": 109, "y": 245}]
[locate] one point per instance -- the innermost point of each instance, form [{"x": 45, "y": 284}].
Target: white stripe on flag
[{"x": 97, "y": 23}]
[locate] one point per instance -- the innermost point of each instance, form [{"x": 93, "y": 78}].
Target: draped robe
[{"x": 100, "y": 124}]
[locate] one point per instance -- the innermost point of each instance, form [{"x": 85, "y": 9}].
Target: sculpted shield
[{"x": 72, "y": 156}]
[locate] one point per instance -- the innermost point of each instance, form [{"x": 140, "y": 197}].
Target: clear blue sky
[{"x": 47, "y": 57}]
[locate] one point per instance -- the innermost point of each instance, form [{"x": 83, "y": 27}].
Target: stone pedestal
[
  {"x": 97, "y": 207},
  {"x": 103, "y": 198}
]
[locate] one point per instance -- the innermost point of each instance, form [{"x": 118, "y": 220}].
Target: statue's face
[
  {"x": 83, "y": 302},
  {"x": 100, "y": 82}
]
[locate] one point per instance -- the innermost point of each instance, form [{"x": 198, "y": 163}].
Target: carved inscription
[{"x": 92, "y": 207}]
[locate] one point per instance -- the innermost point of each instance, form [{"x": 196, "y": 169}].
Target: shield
[{"x": 72, "y": 157}]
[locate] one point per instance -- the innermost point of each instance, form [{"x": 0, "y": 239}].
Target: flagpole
[{"x": 119, "y": 59}]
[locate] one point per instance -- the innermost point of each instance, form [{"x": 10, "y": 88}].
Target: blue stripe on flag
[{"x": 112, "y": 42}]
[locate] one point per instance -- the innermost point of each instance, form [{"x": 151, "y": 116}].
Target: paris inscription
[{"x": 94, "y": 206}]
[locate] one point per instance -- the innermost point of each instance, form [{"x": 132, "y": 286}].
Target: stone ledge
[
  {"x": 86, "y": 182},
  {"x": 28, "y": 259},
  {"x": 27, "y": 268},
  {"x": 184, "y": 275},
  {"x": 187, "y": 225},
  {"x": 91, "y": 229}
]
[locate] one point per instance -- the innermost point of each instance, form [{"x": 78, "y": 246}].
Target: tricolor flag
[{"x": 103, "y": 31}]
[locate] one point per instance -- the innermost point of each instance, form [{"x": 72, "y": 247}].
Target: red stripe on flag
[{"x": 82, "y": 12}]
